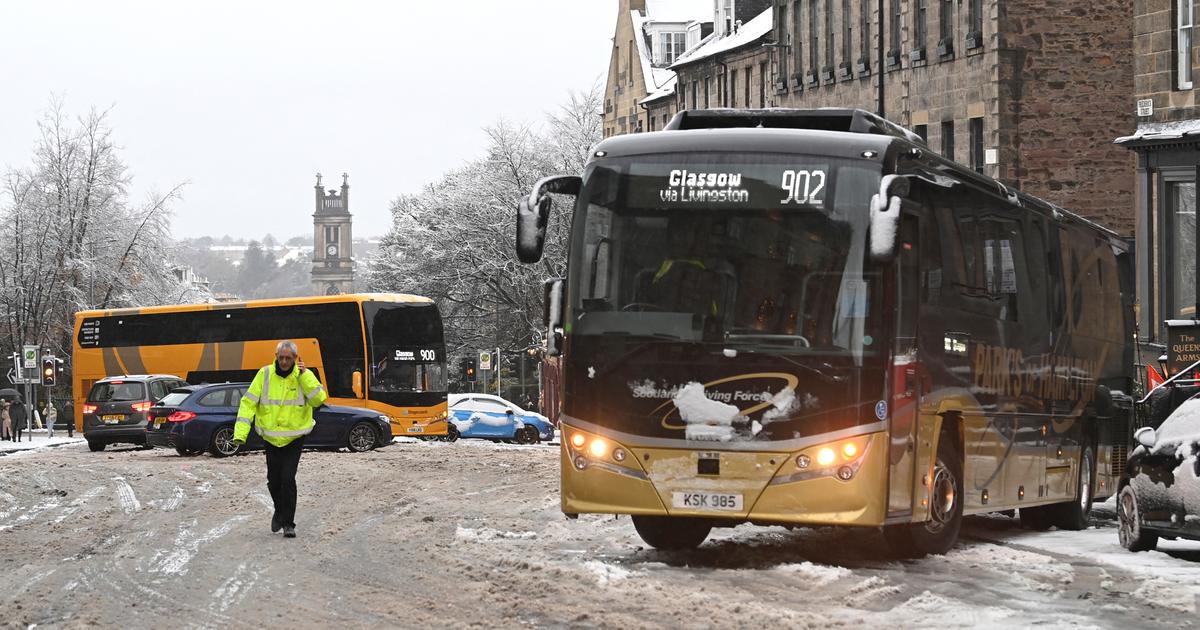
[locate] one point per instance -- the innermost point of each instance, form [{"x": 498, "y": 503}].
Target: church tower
[{"x": 333, "y": 266}]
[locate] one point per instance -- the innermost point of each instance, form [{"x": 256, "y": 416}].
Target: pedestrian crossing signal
[{"x": 49, "y": 369}]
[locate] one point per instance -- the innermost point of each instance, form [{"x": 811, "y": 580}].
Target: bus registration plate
[{"x": 719, "y": 501}]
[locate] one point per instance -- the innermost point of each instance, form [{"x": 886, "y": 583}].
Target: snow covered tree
[{"x": 454, "y": 241}]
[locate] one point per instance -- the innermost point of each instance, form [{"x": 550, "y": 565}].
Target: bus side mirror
[
  {"x": 885, "y": 216},
  {"x": 553, "y": 313},
  {"x": 533, "y": 214},
  {"x": 1145, "y": 436},
  {"x": 356, "y": 383}
]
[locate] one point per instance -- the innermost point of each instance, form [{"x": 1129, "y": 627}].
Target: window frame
[{"x": 1184, "y": 24}]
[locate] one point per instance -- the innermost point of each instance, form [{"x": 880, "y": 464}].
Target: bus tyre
[
  {"x": 361, "y": 438},
  {"x": 671, "y": 532},
  {"x": 96, "y": 445},
  {"x": 940, "y": 532},
  {"x": 222, "y": 444},
  {"x": 1038, "y": 518},
  {"x": 451, "y": 433},
  {"x": 1129, "y": 523},
  {"x": 1074, "y": 515}
]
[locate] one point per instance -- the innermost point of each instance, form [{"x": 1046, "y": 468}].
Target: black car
[
  {"x": 198, "y": 418},
  {"x": 115, "y": 410},
  {"x": 1159, "y": 494}
]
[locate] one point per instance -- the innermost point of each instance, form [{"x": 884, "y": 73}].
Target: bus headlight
[
  {"x": 598, "y": 448},
  {"x": 849, "y": 450},
  {"x": 825, "y": 456},
  {"x": 577, "y": 440}
]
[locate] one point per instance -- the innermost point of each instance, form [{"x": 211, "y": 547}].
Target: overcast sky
[{"x": 248, "y": 100}]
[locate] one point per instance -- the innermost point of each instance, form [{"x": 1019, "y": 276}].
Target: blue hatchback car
[
  {"x": 494, "y": 418},
  {"x": 200, "y": 418}
]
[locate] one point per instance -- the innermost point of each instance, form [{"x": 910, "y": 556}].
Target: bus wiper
[{"x": 825, "y": 376}]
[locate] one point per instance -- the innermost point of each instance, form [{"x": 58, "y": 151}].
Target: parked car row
[{"x": 166, "y": 412}]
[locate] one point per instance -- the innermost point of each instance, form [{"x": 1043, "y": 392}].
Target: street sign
[
  {"x": 485, "y": 360},
  {"x": 1183, "y": 344},
  {"x": 1145, "y": 107},
  {"x": 29, "y": 358}
]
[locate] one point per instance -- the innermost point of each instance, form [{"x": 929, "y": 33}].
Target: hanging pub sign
[{"x": 1183, "y": 344}]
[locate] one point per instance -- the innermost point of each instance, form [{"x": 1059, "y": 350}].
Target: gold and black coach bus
[
  {"x": 807, "y": 317},
  {"x": 377, "y": 351}
]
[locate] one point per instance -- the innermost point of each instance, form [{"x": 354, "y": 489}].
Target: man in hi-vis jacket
[{"x": 280, "y": 405}]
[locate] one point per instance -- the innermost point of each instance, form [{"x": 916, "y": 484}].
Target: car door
[
  {"x": 329, "y": 427},
  {"x": 229, "y": 408},
  {"x": 493, "y": 419}
]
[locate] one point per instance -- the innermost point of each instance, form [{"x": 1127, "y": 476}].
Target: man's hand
[{"x": 300, "y": 364}]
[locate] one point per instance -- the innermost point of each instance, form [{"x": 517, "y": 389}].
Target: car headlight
[{"x": 385, "y": 419}]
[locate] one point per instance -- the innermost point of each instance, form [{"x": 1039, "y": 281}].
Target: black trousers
[{"x": 282, "y": 463}]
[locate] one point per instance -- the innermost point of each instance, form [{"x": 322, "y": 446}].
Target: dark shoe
[
  {"x": 275, "y": 525},
  {"x": 289, "y": 532}
]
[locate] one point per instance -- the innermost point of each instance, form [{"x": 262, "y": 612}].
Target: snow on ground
[{"x": 39, "y": 441}]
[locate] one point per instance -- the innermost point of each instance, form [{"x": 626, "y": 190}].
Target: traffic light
[
  {"x": 49, "y": 371},
  {"x": 469, "y": 372}
]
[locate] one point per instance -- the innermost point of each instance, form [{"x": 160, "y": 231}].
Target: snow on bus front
[{"x": 725, "y": 298}]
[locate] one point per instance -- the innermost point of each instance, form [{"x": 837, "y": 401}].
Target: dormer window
[{"x": 670, "y": 47}]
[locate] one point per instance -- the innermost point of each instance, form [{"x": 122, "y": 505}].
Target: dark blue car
[{"x": 200, "y": 418}]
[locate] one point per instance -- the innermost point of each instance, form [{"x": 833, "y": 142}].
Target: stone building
[
  {"x": 1025, "y": 92},
  {"x": 1166, "y": 141},
  {"x": 650, "y": 35},
  {"x": 731, "y": 68},
  {"x": 333, "y": 263}
]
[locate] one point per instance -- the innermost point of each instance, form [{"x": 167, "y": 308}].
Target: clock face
[{"x": 331, "y": 250}]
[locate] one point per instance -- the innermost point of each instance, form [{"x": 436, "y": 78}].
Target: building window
[
  {"x": 920, "y": 26},
  {"x": 747, "y": 93},
  {"x": 814, "y": 66},
  {"x": 671, "y": 46},
  {"x": 864, "y": 29},
  {"x": 946, "y": 22},
  {"x": 977, "y": 144},
  {"x": 975, "y": 11},
  {"x": 707, "y": 88},
  {"x": 948, "y": 139},
  {"x": 331, "y": 235},
  {"x": 733, "y": 91},
  {"x": 848, "y": 33},
  {"x": 762, "y": 84},
  {"x": 782, "y": 37},
  {"x": 797, "y": 46},
  {"x": 829, "y": 34},
  {"x": 1181, "y": 249},
  {"x": 695, "y": 103},
  {"x": 631, "y": 62},
  {"x": 1183, "y": 44},
  {"x": 922, "y": 131},
  {"x": 895, "y": 27}
]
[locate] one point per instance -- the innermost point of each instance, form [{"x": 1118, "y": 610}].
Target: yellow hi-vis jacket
[{"x": 279, "y": 407}]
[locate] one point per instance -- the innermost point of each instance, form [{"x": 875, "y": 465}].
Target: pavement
[{"x": 38, "y": 439}]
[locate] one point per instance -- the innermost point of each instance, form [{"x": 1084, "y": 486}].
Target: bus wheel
[
  {"x": 939, "y": 533},
  {"x": 451, "y": 433},
  {"x": 96, "y": 445},
  {"x": 1038, "y": 518},
  {"x": 222, "y": 444},
  {"x": 1074, "y": 515},
  {"x": 671, "y": 532},
  {"x": 361, "y": 438}
]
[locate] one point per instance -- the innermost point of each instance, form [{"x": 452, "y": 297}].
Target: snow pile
[
  {"x": 1182, "y": 427},
  {"x": 706, "y": 419},
  {"x": 606, "y": 573},
  {"x": 885, "y": 215},
  {"x": 1168, "y": 594},
  {"x": 815, "y": 574},
  {"x": 486, "y": 534}
]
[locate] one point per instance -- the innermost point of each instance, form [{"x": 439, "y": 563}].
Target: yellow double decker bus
[{"x": 377, "y": 351}]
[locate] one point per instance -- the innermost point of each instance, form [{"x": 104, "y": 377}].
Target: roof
[
  {"x": 746, "y": 35},
  {"x": 316, "y": 299},
  {"x": 654, "y": 77},
  {"x": 679, "y": 10},
  {"x": 1171, "y": 130},
  {"x": 666, "y": 91}
]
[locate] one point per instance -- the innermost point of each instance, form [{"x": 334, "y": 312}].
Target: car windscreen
[
  {"x": 174, "y": 398},
  {"x": 117, "y": 392}
]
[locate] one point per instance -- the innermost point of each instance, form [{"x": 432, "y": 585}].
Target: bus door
[{"x": 906, "y": 374}]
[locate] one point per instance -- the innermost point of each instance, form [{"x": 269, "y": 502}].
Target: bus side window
[{"x": 1033, "y": 297}]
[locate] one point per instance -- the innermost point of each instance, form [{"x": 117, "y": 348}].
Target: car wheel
[
  {"x": 96, "y": 445},
  {"x": 222, "y": 444},
  {"x": 1074, "y": 514},
  {"x": 1129, "y": 523},
  {"x": 186, "y": 452},
  {"x": 361, "y": 438},
  {"x": 671, "y": 532},
  {"x": 940, "y": 532},
  {"x": 531, "y": 435}
]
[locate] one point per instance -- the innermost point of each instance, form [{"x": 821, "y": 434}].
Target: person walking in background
[
  {"x": 6, "y": 431},
  {"x": 20, "y": 417},
  {"x": 51, "y": 418},
  {"x": 69, "y": 416},
  {"x": 279, "y": 404}
]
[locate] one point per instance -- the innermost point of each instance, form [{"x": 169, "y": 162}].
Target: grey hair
[{"x": 287, "y": 344}]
